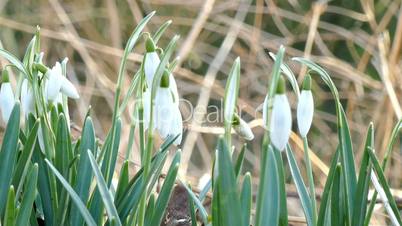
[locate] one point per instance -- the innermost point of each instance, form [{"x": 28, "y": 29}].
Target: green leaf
[
  {"x": 240, "y": 160},
  {"x": 28, "y": 197},
  {"x": 226, "y": 181},
  {"x": 283, "y": 214},
  {"x": 104, "y": 191},
  {"x": 300, "y": 186},
  {"x": 11, "y": 212},
  {"x": 336, "y": 200},
  {"x": 123, "y": 179},
  {"x": 246, "y": 200},
  {"x": 166, "y": 191},
  {"x": 268, "y": 193},
  {"x": 384, "y": 184},
  {"x": 24, "y": 159},
  {"x": 84, "y": 173},
  {"x": 150, "y": 208},
  {"x": 275, "y": 74},
  {"x": 203, "y": 212},
  {"x": 193, "y": 215},
  {"x": 394, "y": 136},
  {"x": 158, "y": 34},
  {"x": 77, "y": 200},
  {"x": 327, "y": 189},
  {"x": 231, "y": 93},
  {"x": 361, "y": 196},
  {"x": 289, "y": 75},
  {"x": 14, "y": 61},
  {"x": 347, "y": 157},
  {"x": 8, "y": 154}
]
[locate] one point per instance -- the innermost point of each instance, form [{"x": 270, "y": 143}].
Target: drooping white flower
[
  {"x": 242, "y": 128},
  {"x": 27, "y": 98},
  {"x": 281, "y": 118},
  {"x": 57, "y": 83},
  {"x": 167, "y": 118},
  {"x": 305, "y": 107},
  {"x": 6, "y": 98}
]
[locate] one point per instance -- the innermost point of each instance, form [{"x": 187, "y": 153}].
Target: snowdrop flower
[
  {"x": 167, "y": 118},
  {"x": 281, "y": 118},
  {"x": 27, "y": 98},
  {"x": 57, "y": 83},
  {"x": 242, "y": 128},
  {"x": 6, "y": 98},
  {"x": 305, "y": 107}
]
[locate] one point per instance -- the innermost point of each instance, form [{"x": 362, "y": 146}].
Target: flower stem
[{"x": 310, "y": 179}]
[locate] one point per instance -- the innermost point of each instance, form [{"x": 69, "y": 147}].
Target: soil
[{"x": 178, "y": 212}]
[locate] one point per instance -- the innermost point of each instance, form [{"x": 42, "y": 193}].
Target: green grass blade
[
  {"x": 385, "y": 186},
  {"x": 289, "y": 75},
  {"x": 193, "y": 215},
  {"x": 166, "y": 191},
  {"x": 347, "y": 156},
  {"x": 28, "y": 197},
  {"x": 14, "y": 61},
  {"x": 11, "y": 209},
  {"x": 394, "y": 136},
  {"x": 24, "y": 159},
  {"x": 300, "y": 186},
  {"x": 158, "y": 34},
  {"x": 230, "y": 98},
  {"x": 123, "y": 179},
  {"x": 268, "y": 194},
  {"x": 336, "y": 201},
  {"x": 84, "y": 172},
  {"x": 283, "y": 214},
  {"x": 361, "y": 196},
  {"x": 8, "y": 155},
  {"x": 203, "y": 212},
  {"x": 240, "y": 160},
  {"x": 226, "y": 180},
  {"x": 104, "y": 191},
  {"x": 327, "y": 189},
  {"x": 76, "y": 199},
  {"x": 246, "y": 200}
]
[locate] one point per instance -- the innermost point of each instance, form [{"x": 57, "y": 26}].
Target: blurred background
[{"x": 357, "y": 41}]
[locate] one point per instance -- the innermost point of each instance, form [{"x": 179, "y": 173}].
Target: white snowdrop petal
[
  {"x": 27, "y": 98},
  {"x": 244, "y": 130},
  {"x": 281, "y": 122},
  {"x": 151, "y": 64},
  {"x": 6, "y": 101},
  {"x": 146, "y": 96},
  {"x": 68, "y": 89},
  {"x": 163, "y": 111},
  {"x": 176, "y": 127},
  {"x": 305, "y": 111},
  {"x": 173, "y": 89},
  {"x": 54, "y": 82}
]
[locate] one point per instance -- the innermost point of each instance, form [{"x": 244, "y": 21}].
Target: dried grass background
[{"x": 358, "y": 41}]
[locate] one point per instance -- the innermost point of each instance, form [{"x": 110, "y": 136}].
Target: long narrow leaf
[
  {"x": 8, "y": 154},
  {"x": 29, "y": 197},
  {"x": 104, "y": 191},
  {"x": 77, "y": 200}
]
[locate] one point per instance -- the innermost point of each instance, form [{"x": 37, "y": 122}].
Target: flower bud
[
  {"x": 150, "y": 45},
  {"x": 305, "y": 107},
  {"x": 27, "y": 98},
  {"x": 242, "y": 128},
  {"x": 281, "y": 118}
]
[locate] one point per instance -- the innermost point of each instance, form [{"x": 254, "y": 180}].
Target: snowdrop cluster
[
  {"x": 281, "y": 116},
  {"x": 53, "y": 86},
  {"x": 166, "y": 117}
]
